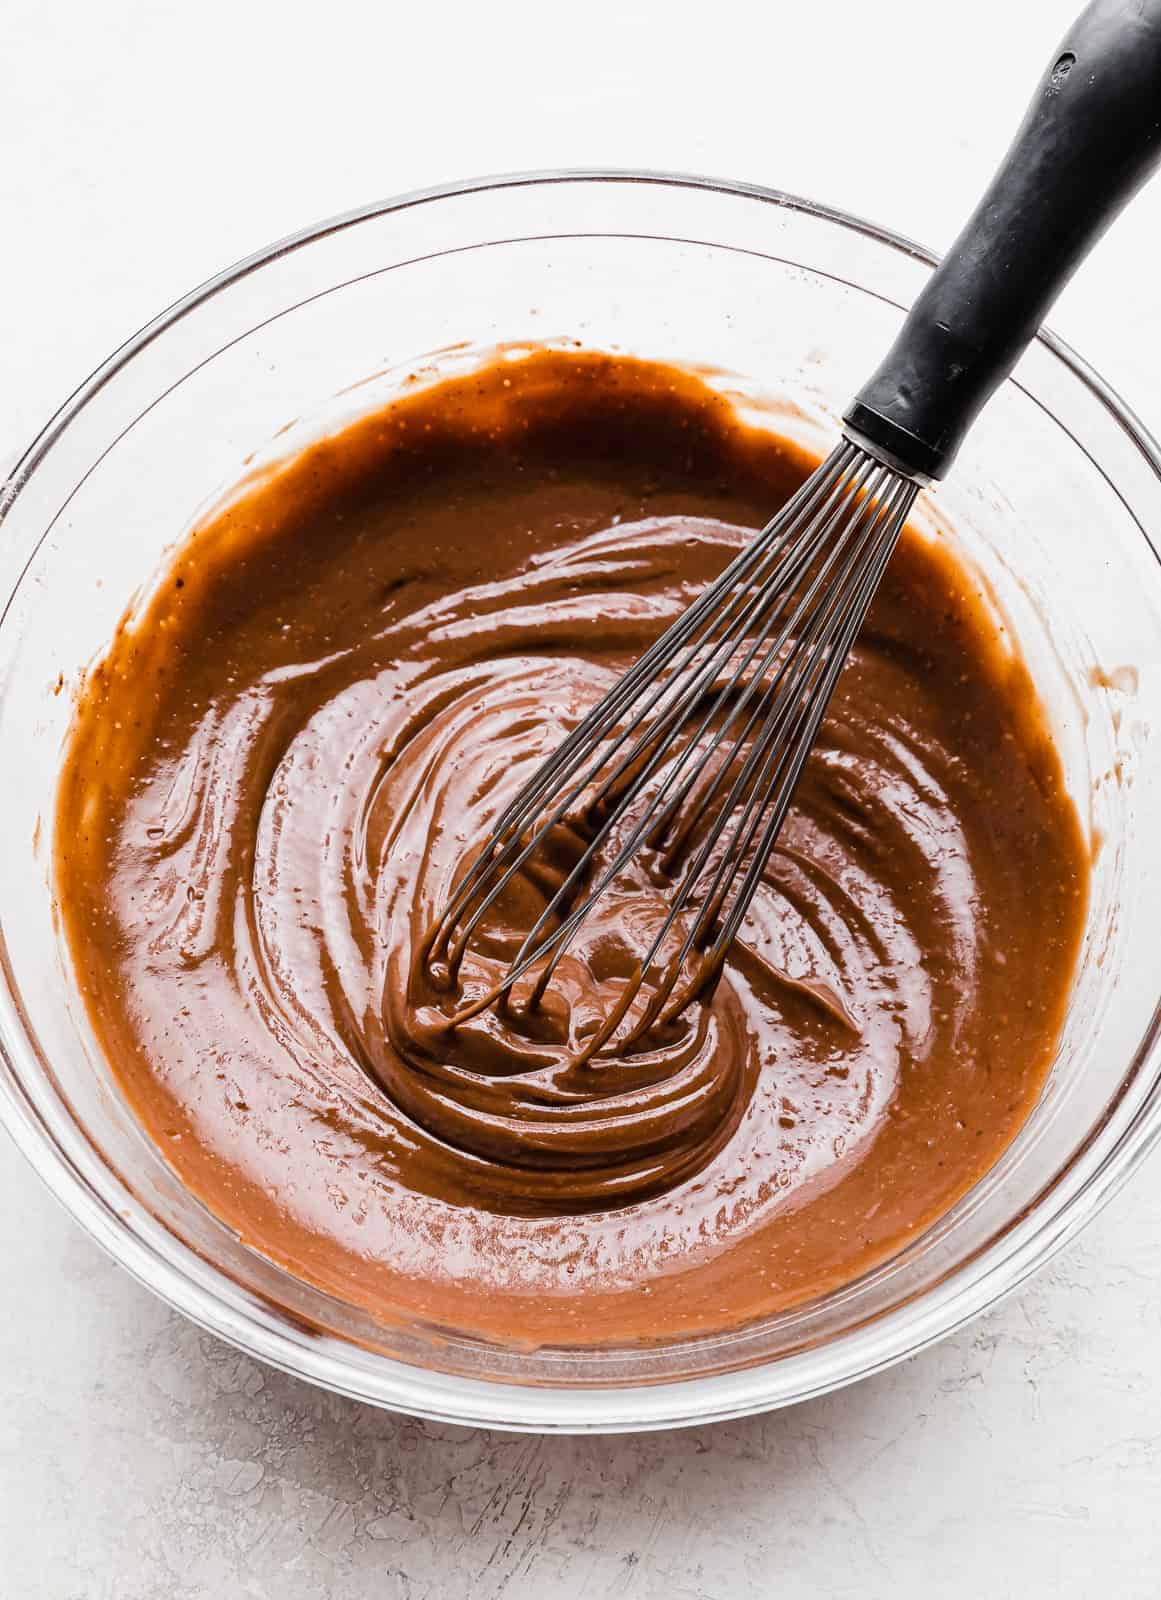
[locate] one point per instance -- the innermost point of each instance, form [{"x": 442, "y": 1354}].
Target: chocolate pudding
[{"x": 276, "y": 772}]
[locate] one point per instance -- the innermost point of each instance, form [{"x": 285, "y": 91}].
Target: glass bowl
[{"x": 783, "y": 302}]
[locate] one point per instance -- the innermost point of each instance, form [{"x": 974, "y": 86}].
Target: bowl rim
[{"x": 95, "y": 1198}]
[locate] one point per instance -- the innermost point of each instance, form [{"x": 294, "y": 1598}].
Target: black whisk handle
[{"x": 1091, "y": 136}]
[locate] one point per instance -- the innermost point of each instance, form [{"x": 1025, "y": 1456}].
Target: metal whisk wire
[{"x": 731, "y": 694}]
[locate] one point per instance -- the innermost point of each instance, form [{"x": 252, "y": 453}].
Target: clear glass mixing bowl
[{"x": 1055, "y": 499}]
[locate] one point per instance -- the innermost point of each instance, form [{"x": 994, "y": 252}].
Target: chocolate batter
[{"x": 340, "y": 680}]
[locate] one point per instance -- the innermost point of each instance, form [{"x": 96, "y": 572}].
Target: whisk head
[{"x": 693, "y": 755}]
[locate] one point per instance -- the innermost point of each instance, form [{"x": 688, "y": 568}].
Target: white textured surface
[{"x": 145, "y": 145}]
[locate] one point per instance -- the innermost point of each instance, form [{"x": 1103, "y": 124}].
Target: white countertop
[{"x": 146, "y": 145}]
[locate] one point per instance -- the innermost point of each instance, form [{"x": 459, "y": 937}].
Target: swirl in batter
[{"x": 342, "y": 678}]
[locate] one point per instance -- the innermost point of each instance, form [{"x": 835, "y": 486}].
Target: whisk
[{"x": 694, "y": 754}]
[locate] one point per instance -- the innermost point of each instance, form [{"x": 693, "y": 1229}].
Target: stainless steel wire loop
[{"x": 694, "y": 753}]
